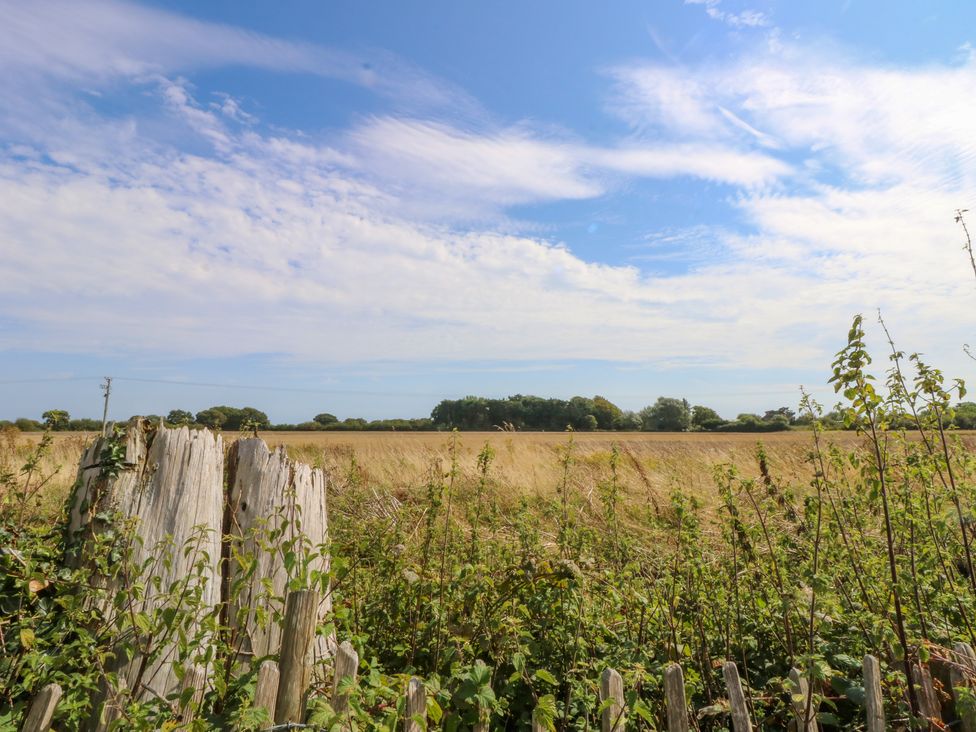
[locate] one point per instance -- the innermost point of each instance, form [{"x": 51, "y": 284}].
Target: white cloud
[{"x": 190, "y": 230}]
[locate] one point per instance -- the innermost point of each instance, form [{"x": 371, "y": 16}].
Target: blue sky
[{"x": 363, "y": 208}]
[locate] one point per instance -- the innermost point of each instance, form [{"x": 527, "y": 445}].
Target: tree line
[{"x": 514, "y": 413}]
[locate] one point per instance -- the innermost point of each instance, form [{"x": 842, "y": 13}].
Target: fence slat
[
  {"x": 266, "y": 688},
  {"x": 959, "y": 679},
  {"x": 800, "y": 698},
  {"x": 42, "y": 709},
  {"x": 873, "y": 701},
  {"x": 301, "y": 616},
  {"x": 346, "y": 666},
  {"x": 195, "y": 679},
  {"x": 612, "y": 689},
  {"x": 928, "y": 700},
  {"x": 737, "y": 700},
  {"x": 416, "y": 705},
  {"x": 674, "y": 692}
]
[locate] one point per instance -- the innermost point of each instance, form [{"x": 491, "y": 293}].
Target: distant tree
[
  {"x": 233, "y": 418},
  {"x": 56, "y": 419},
  {"x": 179, "y": 417},
  {"x": 667, "y": 414},
  {"x": 965, "y": 418},
  {"x": 606, "y": 412},
  {"x": 628, "y": 421},
  {"x": 214, "y": 418},
  {"x": 27, "y": 425},
  {"x": 786, "y": 412},
  {"x": 325, "y": 418},
  {"x": 705, "y": 418}
]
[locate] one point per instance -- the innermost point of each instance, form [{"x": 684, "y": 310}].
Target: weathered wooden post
[
  {"x": 266, "y": 687},
  {"x": 873, "y": 701},
  {"x": 612, "y": 701},
  {"x": 416, "y": 705},
  {"x": 741, "y": 721},
  {"x": 804, "y": 707},
  {"x": 960, "y": 675},
  {"x": 346, "y": 666},
  {"x": 674, "y": 692},
  {"x": 192, "y": 689},
  {"x": 42, "y": 709},
  {"x": 269, "y": 493},
  {"x": 928, "y": 700},
  {"x": 169, "y": 483},
  {"x": 301, "y": 617}
]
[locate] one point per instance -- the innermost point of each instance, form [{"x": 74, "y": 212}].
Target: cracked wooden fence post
[
  {"x": 741, "y": 721},
  {"x": 268, "y": 492},
  {"x": 169, "y": 483},
  {"x": 674, "y": 692},
  {"x": 346, "y": 666},
  {"x": 804, "y": 707},
  {"x": 961, "y": 675},
  {"x": 42, "y": 709},
  {"x": 416, "y": 706},
  {"x": 612, "y": 691},
  {"x": 873, "y": 700},
  {"x": 266, "y": 688},
  {"x": 301, "y": 617}
]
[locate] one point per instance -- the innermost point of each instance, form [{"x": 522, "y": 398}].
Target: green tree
[
  {"x": 667, "y": 414},
  {"x": 705, "y": 418},
  {"x": 179, "y": 416},
  {"x": 965, "y": 418},
  {"x": 606, "y": 412},
  {"x": 56, "y": 419},
  {"x": 325, "y": 418}
]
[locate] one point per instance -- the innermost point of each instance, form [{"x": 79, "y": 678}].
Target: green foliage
[{"x": 667, "y": 414}]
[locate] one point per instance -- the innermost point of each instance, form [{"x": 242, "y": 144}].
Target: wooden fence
[{"x": 174, "y": 480}]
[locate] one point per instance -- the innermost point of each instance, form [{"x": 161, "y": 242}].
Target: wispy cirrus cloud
[{"x": 188, "y": 227}]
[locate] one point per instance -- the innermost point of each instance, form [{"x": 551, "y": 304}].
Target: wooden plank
[
  {"x": 194, "y": 685},
  {"x": 873, "y": 700},
  {"x": 346, "y": 666},
  {"x": 171, "y": 484},
  {"x": 674, "y": 693},
  {"x": 42, "y": 709},
  {"x": 803, "y": 707},
  {"x": 612, "y": 701},
  {"x": 416, "y": 707},
  {"x": 267, "y": 492},
  {"x": 741, "y": 721},
  {"x": 928, "y": 700},
  {"x": 301, "y": 617},
  {"x": 266, "y": 688}
]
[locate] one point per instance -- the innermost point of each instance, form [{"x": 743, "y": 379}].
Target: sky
[{"x": 365, "y": 208}]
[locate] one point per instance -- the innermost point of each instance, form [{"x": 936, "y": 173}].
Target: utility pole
[{"x": 107, "y": 388}]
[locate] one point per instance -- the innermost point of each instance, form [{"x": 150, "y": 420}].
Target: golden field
[{"x": 525, "y": 464}]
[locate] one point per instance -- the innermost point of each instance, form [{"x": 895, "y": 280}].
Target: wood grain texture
[
  {"x": 741, "y": 721},
  {"x": 42, "y": 709},
  {"x": 171, "y": 487},
  {"x": 677, "y": 705},
  {"x": 268, "y": 492},
  {"x": 346, "y": 667},
  {"x": 873, "y": 700},
  {"x": 612, "y": 691},
  {"x": 266, "y": 687},
  {"x": 416, "y": 705},
  {"x": 301, "y": 614},
  {"x": 804, "y": 708}
]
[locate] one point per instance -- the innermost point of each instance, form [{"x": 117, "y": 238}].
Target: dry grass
[{"x": 527, "y": 464}]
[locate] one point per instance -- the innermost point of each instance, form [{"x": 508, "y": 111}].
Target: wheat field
[{"x": 525, "y": 464}]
